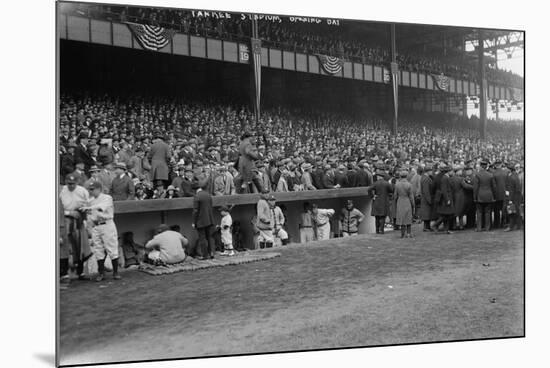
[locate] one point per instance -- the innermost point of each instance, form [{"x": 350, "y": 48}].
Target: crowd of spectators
[
  {"x": 300, "y": 37},
  {"x": 106, "y": 137}
]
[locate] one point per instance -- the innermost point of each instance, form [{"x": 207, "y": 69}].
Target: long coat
[
  {"x": 381, "y": 202},
  {"x": 468, "y": 190},
  {"x": 248, "y": 154},
  {"x": 159, "y": 156},
  {"x": 484, "y": 187},
  {"x": 403, "y": 194},
  {"x": 82, "y": 154},
  {"x": 458, "y": 194},
  {"x": 513, "y": 186},
  {"x": 426, "y": 198},
  {"x": 444, "y": 201},
  {"x": 500, "y": 184},
  {"x": 203, "y": 214},
  {"x": 122, "y": 189}
]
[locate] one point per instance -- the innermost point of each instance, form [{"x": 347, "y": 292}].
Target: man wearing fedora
[
  {"x": 380, "y": 191},
  {"x": 159, "y": 156},
  {"x": 203, "y": 219},
  {"x": 82, "y": 153},
  {"x": 248, "y": 154},
  {"x": 444, "y": 200},
  {"x": 307, "y": 180},
  {"x": 499, "y": 215},
  {"x": 122, "y": 187},
  {"x": 484, "y": 196},
  {"x": 514, "y": 199}
]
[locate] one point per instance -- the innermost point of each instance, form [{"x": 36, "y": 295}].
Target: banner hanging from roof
[
  {"x": 331, "y": 64},
  {"x": 441, "y": 81},
  {"x": 150, "y": 37}
]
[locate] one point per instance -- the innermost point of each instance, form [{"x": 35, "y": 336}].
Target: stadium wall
[{"x": 117, "y": 34}]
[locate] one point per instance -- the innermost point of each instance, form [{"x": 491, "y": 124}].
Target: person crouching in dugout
[
  {"x": 322, "y": 221},
  {"x": 104, "y": 233},
  {"x": 263, "y": 223},
  {"x": 278, "y": 220},
  {"x": 350, "y": 218},
  {"x": 225, "y": 230}
]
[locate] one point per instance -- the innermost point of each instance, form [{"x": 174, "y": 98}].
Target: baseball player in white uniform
[
  {"x": 322, "y": 221},
  {"x": 104, "y": 234}
]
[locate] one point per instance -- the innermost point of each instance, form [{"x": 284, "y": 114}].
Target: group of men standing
[{"x": 487, "y": 198}]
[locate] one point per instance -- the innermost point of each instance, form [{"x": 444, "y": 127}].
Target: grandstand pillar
[
  {"x": 394, "y": 76},
  {"x": 482, "y": 88}
]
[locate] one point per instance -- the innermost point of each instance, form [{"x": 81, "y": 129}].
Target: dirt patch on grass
[{"x": 320, "y": 295}]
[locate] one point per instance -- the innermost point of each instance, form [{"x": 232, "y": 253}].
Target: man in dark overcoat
[
  {"x": 426, "y": 197},
  {"x": 468, "y": 190},
  {"x": 380, "y": 191},
  {"x": 498, "y": 206},
  {"x": 248, "y": 172},
  {"x": 203, "y": 219},
  {"x": 458, "y": 196},
  {"x": 444, "y": 201},
  {"x": 513, "y": 195},
  {"x": 82, "y": 153},
  {"x": 159, "y": 157},
  {"x": 484, "y": 196}
]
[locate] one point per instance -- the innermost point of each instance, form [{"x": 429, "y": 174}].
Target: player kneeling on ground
[
  {"x": 166, "y": 247},
  {"x": 104, "y": 234}
]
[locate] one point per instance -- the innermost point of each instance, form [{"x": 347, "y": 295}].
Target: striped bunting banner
[
  {"x": 331, "y": 64},
  {"x": 151, "y": 37},
  {"x": 441, "y": 81}
]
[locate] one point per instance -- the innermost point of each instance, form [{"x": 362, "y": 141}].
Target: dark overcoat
[
  {"x": 484, "y": 187},
  {"x": 381, "y": 190},
  {"x": 247, "y": 157},
  {"x": 159, "y": 156},
  {"x": 458, "y": 194},
  {"x": 445, "y": 203},
  {"x": 404, "y": 202},
  {"x": 500, "y": 184},
  {"x": 426, "y": 212}
]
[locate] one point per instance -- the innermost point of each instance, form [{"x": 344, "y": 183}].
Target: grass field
[{"x": 369, "y": 290}]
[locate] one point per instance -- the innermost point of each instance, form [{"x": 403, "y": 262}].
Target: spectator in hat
[
  {"x": 122, "y": 187},
  {"x": 444, "y": 201},
  {"x": 322, "y": 218},
  {"x": 307, "y": 180},
  {"x": 263, "y": 175},
  {"x": 105, "y": 177},
  {"x": 82, "y": 153},
  {"x": 514, "y": 199},
  {"x": 363, "y": 176},
  {"x": 340, "y": 177},
  {"x": 159, "y": 155},
  {"x": 282, "y": 185},
  {"x": 166, "y": 247},
  {"x": 350, "y": 218},
  {"x": 203, "y": 219},
  {"x": 169, "y": 193},
  {"x": 67, "y": 163},
  {"x": 500, "y": 188},
  {"x": 403, "y": 194},
  {"x": 426, "y": 197},
  {"x": 469, "y": 209},
  {"x": 80, "y": 174},
  {"x": 189, "y": 184},
  {"x": 176, "y": 182},
  {"x": 135, "y": 163},
  {"x": 94, "y": 176},
  {"x": 248, "y": 154},
  {"x": 456, "y": 181},
  {"x": 380, "y": 192},
  {"x": 329, "y": 178},
  {"x": 105, "y": 154},
  {"x": 484, "y": 196}
]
